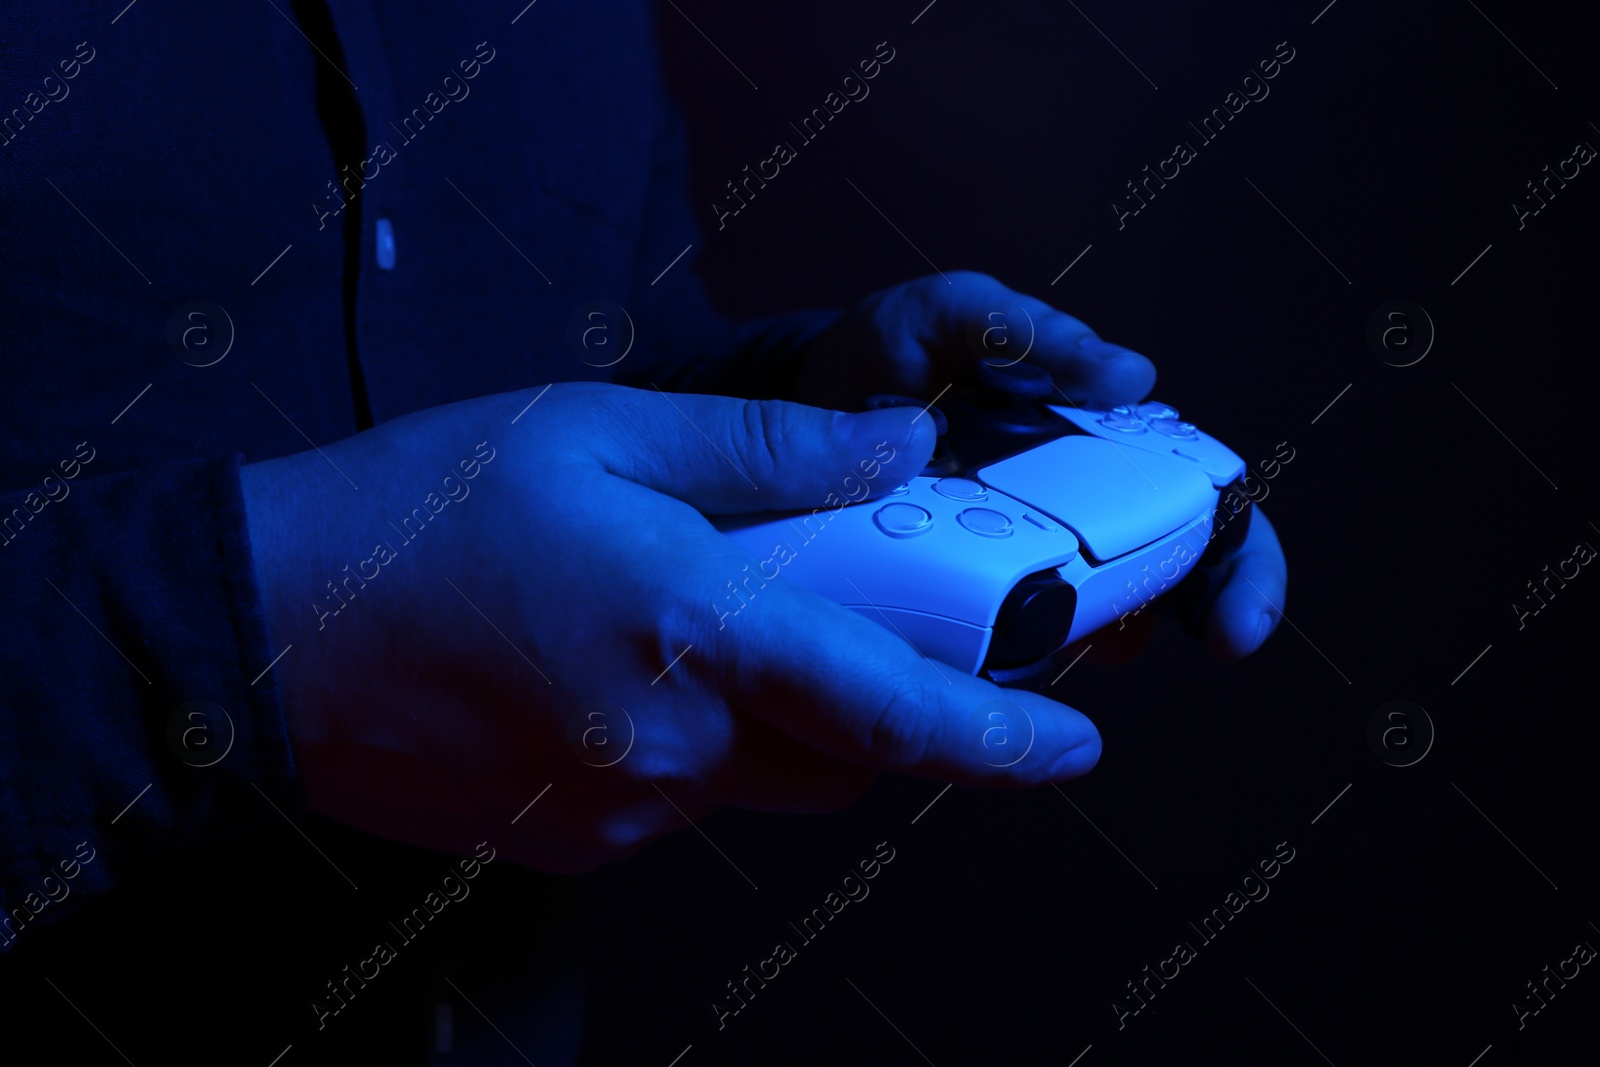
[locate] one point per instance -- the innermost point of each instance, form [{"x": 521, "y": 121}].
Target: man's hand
[
  {"x": 918, "y": 337},
  {"x": 557, "y": 613}
]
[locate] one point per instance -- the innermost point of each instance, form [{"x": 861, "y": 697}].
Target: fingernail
[
  {"x": 1102, "y": 349},
  {"x": 1264, "y": 627},
  {"x": 1076, "y": 761},
  {"x": 890, "y": 430}
]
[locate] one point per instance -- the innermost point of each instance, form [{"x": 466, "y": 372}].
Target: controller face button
[
  {"x": 903, "y": 520},
  {"x": 1173, "y": 427},
  {"x": 960, "y": 489},
  {"x": 1044, "y": 524},
  {"x": 901, "y": 490},
  {"x": 984, "y": 521},
  {"x": 1155, "y": 409},
  {"x": 1121, "y": 419}
]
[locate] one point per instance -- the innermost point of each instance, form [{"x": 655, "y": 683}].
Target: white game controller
[{"x": 1034, "y": 524}]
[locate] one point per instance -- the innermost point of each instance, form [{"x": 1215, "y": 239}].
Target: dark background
[
  {"x": 1007, "y": 924},
  {"x": 1407, "y": 923}
]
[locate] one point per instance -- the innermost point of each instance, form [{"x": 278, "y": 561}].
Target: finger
[
  {"x": 728, "y": 457},
  {"x": 840, "y": 683},
  {"x": 974, "y": 316},
  {"x": 1254, "y": 580}
]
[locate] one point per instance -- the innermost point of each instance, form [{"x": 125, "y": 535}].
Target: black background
[
  {"x": 1420, "y": 900},
  {"x": 1396, "y": 141}
]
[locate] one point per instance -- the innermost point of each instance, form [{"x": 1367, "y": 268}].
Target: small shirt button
[{"x": 385, "y": 245}]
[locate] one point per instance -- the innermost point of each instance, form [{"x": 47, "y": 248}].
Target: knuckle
[
  {"x": 760, "y": 447},
  {"x": 902, "y": 731},
  {"x": 971, "y": 278}
]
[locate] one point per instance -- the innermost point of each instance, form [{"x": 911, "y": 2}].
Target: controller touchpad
[{"x": 1114, "y": 499}]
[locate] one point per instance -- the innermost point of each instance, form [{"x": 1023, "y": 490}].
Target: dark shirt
[{"x": 192, "y": 198}]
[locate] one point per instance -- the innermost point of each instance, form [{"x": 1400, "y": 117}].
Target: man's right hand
[{"x": 564, "y": 597}]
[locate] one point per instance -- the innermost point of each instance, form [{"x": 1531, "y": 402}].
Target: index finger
[
  {"x": 857, "y": 690},
  {"x": 977, "y": 317},
  {"x": 1254, "y": 580}
]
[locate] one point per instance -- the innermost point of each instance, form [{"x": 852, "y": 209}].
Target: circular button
[
  {"x": 1155, "y": 409},
  {"x": 960, "y": 489},
  {"x": 1121, "y": 419},
  {"x": 901, "y": 490},
  {"x": 903, "y": 520},
  {"x": 1173, "y": 427},
  {"x": 985, "y": 521}
]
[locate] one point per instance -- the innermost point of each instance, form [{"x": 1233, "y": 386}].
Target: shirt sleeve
[{"x": 138, "y": 713}]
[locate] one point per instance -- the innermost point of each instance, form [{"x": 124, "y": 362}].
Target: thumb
[{"x": 726, "y": 456}]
